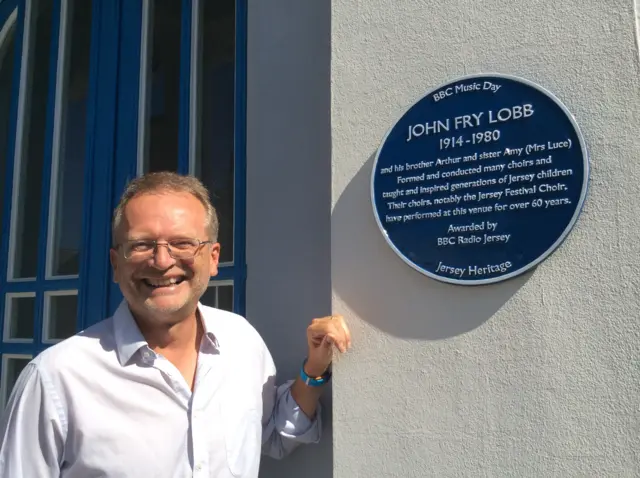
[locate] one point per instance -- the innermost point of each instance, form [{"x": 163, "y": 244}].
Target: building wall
[
  {"x": 536, "y": 376},
  {"x": 289, "y": 194}
]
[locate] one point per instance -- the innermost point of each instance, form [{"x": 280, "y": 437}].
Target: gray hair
[{"x": 161, "y": 182}]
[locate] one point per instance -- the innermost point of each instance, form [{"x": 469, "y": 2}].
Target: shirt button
[{"x": 198, "y": 467}]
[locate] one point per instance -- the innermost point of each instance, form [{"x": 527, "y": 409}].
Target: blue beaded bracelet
[{"x": 317, "y": 381}]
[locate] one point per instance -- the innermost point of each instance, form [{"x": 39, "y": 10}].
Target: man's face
[{"x": 161, "y": 288}]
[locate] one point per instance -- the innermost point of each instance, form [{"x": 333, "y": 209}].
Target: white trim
[
  {"x": 195, "y": 86},
  {"x": 7, "y": 317},
  {"x": 146, "y": 43},
  {"x": 61, "y": 92},
  {"x": 4, "y": 397},
  {"x": 25, "y": 73},
  {"x": 21, "y": 279},
  {"x": 215, "y": 283},
  {"x": 46, "y": 316}
]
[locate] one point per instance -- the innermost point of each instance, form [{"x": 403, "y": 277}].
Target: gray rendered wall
[
  {"x": 289, "y": 193},
  {"x": 534, "y": 377}
]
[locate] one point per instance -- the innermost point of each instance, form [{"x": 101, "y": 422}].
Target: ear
[
  {"x": 113, "y": 258},
  {"x": 215, "y": 258}
]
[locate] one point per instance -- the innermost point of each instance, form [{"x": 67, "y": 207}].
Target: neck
[{"x": 176, "y": 337}]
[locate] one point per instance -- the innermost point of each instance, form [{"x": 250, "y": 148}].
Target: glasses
[{"x": 181, "y": 249}]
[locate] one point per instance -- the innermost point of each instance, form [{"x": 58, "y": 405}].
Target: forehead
[{"x": 164, "y": 213}]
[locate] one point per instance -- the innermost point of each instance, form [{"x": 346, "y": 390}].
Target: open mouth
[{"x": 161, "y": 283}]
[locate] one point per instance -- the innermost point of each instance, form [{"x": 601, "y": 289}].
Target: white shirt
[{"x": 103, "y": 404}]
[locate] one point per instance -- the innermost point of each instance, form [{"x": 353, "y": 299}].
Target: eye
[
  {"x": 140, "y": 246},
  {"x": 183, "y": 244}
]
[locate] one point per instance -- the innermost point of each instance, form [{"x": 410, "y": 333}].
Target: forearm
[
  {"x": 291, "y": 424},
  {"x": 323, "y": 336},
  {"x": 306, "y": 397}
]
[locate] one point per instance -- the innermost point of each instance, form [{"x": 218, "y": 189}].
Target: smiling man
[{"x": 166, "y": 387}]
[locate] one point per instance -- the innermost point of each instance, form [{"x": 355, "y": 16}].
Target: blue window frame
[{"x": 94, "y": 139}]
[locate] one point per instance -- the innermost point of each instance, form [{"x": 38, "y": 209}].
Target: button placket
[
  {"x": 198, "y": 438},
  {"x": 173, "y": 378},
  {"x": 201, "y": 432}
]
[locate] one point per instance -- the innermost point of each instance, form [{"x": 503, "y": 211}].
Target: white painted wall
[{"x": 538, "y": 376}]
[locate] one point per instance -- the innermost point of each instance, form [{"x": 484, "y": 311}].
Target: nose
[{"x": 162, "y": 259}]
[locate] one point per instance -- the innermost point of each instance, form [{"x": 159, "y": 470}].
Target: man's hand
[{"x": 322, "y": 335}]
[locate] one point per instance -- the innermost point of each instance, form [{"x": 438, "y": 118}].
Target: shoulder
[
  {"x": 231, "y": 329},
  {"x": 78, "y": 352},
  {"x": 223, "y": 322},
  {"x": 58, "y": 370},
  {"x": 241, "y": 347}
]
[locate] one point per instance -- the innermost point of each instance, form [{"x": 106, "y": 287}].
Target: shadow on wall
[{"x": 384, "y": 291}]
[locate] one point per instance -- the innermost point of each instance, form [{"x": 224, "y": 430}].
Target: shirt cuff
[{"x": 292, "y": 422}]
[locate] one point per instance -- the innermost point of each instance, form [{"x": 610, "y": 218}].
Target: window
[
  {"x": 26, "y": 211},
  {"x": 159, "y": 110},
  {"x": 212, "y": 116},
  {"x": 12, "y": 365},
  {"x": 44, "y": 88},
  {"x": 219, "y": 294},
  {"x": 215, "y": 152},
  {"x": 90, "y": 97},
  {"x": 19, "y": 314},
  {"x": 7, "y": 49},
  {"x": 68, "y": 155},
  {"x": 60, "y": 311},
  {"x": 190, "y": 112},
  {"x": 13, "y": 306}
]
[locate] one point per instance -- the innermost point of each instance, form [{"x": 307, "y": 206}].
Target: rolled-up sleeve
[
  {"x": 285, "y": 425},
  {"x": 31, "y": 431}
]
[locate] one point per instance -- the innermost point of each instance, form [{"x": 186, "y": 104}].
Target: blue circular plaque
[{"x": 480, "y": 180}]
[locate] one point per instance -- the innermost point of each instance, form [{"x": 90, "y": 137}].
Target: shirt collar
[
  {"x": 206, "y": 314},
  {"x": 127, "y": 335},
  {"x": 129, "y": 339}
]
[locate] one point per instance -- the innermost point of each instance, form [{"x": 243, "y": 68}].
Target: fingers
[
  {"x": 340, "y": 333},
  {"x": 335, "y": 339},
  {"x": 331, "y": 330},
  {"x": 346, "y": 331}
]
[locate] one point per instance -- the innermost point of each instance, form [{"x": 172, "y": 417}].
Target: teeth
[{"x": 162, "y": 283}]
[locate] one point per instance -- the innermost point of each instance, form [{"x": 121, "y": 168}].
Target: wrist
[
  {"x": 313, "y": 375},
  {"x": 315, "y": 370}
]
